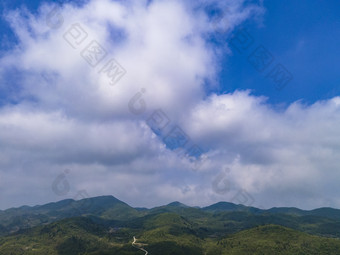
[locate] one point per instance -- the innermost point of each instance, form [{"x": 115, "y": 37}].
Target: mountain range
[{"x": 106, "y": 225}]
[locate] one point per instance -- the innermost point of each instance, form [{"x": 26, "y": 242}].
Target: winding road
[{"x": 138, "y": 245}]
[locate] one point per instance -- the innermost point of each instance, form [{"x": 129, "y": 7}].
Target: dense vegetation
[{"x": 105, "y": 225}]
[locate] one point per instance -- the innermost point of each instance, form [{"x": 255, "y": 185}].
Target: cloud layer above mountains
[{"x": 60, "y": 112}]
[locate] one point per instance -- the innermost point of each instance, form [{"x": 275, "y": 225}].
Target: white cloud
[
  {"x": 68, "y": 116},
  {"x": 292, "y": 153}
]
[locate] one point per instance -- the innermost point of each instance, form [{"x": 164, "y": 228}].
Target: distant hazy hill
[
  {"x": 225, "y": 206},
  {"x": 106, "y": 225}
]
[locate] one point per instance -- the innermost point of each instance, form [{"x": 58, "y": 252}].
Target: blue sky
[
  {"x": 177, "y": 104},
  {"x": 304, "y": 36}
]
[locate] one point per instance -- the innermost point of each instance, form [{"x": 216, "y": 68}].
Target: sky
[{"x": 167, "y": 100}]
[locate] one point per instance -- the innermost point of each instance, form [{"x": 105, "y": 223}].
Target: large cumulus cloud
[{"x": 61, "y": 113}]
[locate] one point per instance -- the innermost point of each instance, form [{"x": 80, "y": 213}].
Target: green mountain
[
  {"x": 273, "y": 239},
  {"x": 106, "y": 225},
  {"x": 108, "y": 207},
  {"x": 163, "y": 234}
]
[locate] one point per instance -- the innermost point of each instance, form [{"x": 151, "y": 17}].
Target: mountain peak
[
  {"x": 177, "y": 204},
  {"x": 223, "y": 206}
]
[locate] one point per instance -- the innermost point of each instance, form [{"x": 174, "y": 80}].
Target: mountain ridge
[
  {"x": 113, "y": 209},
  {"x": 175, "y": 203},
  {"x": 107, "y": 225}
]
